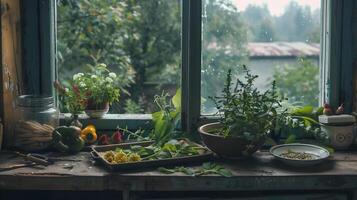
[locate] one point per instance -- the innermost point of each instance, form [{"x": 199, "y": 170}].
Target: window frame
[{"x": 337, "y": 49}]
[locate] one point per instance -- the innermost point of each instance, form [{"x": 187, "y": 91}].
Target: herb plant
[
  {"x": 245, "y": 111},
  {"x": 96, "y": 87},
  {"x": 301, "y": 121},
  {"x": 167, "y": 118}
]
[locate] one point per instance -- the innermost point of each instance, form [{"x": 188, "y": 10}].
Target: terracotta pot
[
  {"x": 95, "y": 110},
  {"x": 228, "y": 147}
]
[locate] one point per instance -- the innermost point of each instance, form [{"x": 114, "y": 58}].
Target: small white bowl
[{"x": 319, "y": 154}]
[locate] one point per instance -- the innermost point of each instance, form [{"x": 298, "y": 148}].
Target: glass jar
[{"x": 36, "y": 118}]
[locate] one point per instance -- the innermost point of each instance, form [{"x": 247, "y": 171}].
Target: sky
[{"x": 276, "y": 7}]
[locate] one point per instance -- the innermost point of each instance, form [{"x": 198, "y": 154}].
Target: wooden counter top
[{"x": 261, "y": 172}]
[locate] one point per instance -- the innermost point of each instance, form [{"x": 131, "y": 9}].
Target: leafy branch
[
  {"x": 246, "y": 112},
  {"x": 206, "y": 168}
]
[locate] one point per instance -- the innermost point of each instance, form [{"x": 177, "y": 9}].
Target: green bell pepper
[{"x": 67, "y": 139}]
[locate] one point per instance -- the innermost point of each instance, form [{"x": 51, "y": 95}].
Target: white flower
[
  {"x": 66, "y": 89},
  {"x": 81, "y": 84},
  {"x": 75, "y": 77},
  {"x": 94, "y": 76},
  {"x": 78, "y": 75},
  {"x": 112, "y": 75},
  {"x": 108, "y": 79},
  {"x": 102, "y": 65}
]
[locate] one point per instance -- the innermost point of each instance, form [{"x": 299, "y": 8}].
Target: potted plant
[
  {"x": 92, "y": 92},
  {"x": 246, "y": 117}
]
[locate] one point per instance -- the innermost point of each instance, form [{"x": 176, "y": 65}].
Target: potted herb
[
  {"x": 92, "y": 92},
  {"x": 247, "y": 117}
]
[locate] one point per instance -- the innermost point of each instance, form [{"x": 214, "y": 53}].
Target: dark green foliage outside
[{"x": 299, "y": 82}]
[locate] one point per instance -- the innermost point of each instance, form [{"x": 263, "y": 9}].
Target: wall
[{"x": 10, "y": 71}]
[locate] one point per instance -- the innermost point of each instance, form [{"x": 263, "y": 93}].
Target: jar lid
[{"x": 35, "y": 101}]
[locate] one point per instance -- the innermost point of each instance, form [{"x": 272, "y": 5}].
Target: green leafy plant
[
  {"x": 98, "y": 86},
  {"x": 245, "y": 111},
  {"x": 167, "y": 118},
  {"x": 71, "y": 100},
  {"x": 299, "y": 82},
  {"x": 301, "y": 121},
  {"x": 206, "y": 168},
  {"x": 133, "y": 107}
]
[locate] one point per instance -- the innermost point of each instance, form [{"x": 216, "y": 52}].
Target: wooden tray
[{"x": 96, "y": 150}]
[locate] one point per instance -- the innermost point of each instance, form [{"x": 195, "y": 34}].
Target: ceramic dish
[{"x": 318, "y": 154}]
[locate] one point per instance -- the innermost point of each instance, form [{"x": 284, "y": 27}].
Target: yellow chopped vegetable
[
  {"x": 134, "y": 157},
  {"x": 109, "y": 156},
  {"x": 121, "y": 157}
]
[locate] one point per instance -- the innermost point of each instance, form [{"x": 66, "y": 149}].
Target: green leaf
[
  {"x": 207, "y": 165},
  {"x": 187, "y": 171},
  {"x": 270, "y": 141},
  {"x": 165, "y": 170},
  {"x": 176, "y": 100},
  {"x": 319, "y": 111},
  {"x": 306, "y": 110},
  {"x": 225, "y": 173},
  {"x": 291, "y": 139},
  {"x": 169, "y": 147},
  {"x": 330, "y": 149}
]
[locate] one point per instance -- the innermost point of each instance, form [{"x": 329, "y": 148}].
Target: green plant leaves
[
  {"x": 291, "y": 139},
  {"x": 246, "y": 112},
  {"x": 166, "y": 120},
  {"x": 176, "y": 100},
  {"x": 270, "y": 141},
  {"x": 206, "y": 168},
  {"x": 306, "y": 110}
]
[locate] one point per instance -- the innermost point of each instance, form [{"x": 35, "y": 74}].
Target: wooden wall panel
[{"x": 11, "y": 63}]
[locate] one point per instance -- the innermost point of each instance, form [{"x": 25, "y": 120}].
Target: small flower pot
[
  {"x": 97, "y": 110},
  {"x": 341, "y": 137},
  {"x": 228, "y": 147}
]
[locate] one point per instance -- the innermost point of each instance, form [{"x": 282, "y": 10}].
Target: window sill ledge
[{"x": 111, "y": 121}]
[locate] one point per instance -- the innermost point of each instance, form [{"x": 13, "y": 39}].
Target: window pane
[
  {"x": 138, "y": 40},
  {"x": 277, "y": 40}
]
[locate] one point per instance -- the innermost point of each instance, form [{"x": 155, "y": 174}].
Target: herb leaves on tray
[{"x": 171, "y": 149}]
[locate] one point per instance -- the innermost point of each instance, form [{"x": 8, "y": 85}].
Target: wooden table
[{"x": 338, "y": 176}]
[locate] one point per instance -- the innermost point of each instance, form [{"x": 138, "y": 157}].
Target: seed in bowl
[{"x": 297, "y": 155}]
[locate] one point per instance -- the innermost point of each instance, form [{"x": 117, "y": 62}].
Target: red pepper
[
  {"x": 103, "y": 140},
  {"x": 117, "y": 137}
]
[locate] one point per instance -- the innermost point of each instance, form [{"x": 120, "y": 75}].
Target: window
[
  {"x": 336, "y": 61},
  {"x": 139, "y": 40},
  {"x": 276, "y": 40}
]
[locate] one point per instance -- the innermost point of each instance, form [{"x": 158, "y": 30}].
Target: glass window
[
  {"x": 277, "y": 40},
  {"x": 138, "y": 40}
]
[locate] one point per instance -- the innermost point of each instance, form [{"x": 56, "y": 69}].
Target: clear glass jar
[{"x": 36, "y": 118}]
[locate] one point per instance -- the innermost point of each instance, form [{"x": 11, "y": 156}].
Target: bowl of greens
[{"x": 299, "y": 155}]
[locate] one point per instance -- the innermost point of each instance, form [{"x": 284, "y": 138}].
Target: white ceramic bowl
[{"x": 319, "y": 154}]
